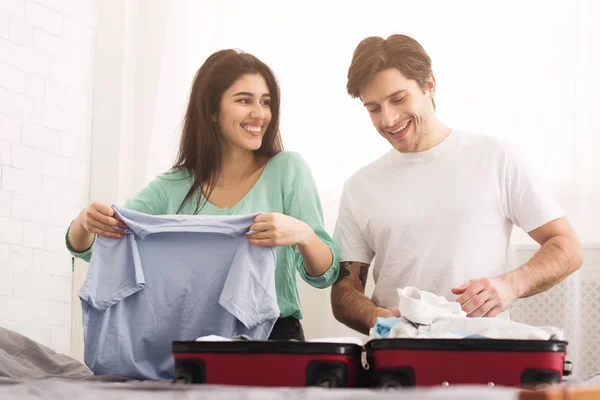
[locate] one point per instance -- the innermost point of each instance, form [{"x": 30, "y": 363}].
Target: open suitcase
[
  {"x": 435, "y": 362},
  {"x": 268, "y": 363}
]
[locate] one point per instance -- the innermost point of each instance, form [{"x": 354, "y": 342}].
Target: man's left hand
[{"x": 485, "y": 297}]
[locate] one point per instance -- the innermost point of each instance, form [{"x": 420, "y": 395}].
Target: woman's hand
[
  {"x": 275, "y": 229},
  {"x": 99, "y": 218}
]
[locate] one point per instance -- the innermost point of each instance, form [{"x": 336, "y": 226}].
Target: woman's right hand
[{"x": 99, "y": 218}]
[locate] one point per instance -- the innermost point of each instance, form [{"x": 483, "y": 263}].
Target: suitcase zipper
[{"x": 363, "y": 359}]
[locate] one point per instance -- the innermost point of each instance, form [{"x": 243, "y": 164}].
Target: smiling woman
[
  {"x": 231, "y": 92},
  {"x": 231, "y": 162}
]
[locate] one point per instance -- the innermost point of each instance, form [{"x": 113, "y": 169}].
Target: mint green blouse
[{"x": 286, "y": 186}]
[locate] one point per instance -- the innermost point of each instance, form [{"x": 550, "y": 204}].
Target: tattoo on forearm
[
  {"x": 355, "y": 269},
  {"x": 364, "y": 273},
  {"x": 344, "y": 271}
]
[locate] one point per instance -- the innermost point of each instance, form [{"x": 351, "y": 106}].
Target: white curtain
[{"x": 525, "y": 71}]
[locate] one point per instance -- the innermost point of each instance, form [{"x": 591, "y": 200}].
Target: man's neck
[{"x": 436, "y": 134}]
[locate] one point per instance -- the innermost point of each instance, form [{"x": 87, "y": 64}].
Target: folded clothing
[
  {"x": 423, "y": 307},
  {"x": 217, "y": 338},
  {"x": 465, "y": 327},
  {"x": 428, "y": 316}
]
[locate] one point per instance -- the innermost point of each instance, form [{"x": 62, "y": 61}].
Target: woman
[{"x": 231, "y": 161}]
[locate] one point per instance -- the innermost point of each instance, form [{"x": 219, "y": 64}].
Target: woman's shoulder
[
  {"x": 170, "y": 181},
  {"x": 289, "y": 160},
  {"x": 175, "y": 174},
  {"x": 290, "y": 171}
]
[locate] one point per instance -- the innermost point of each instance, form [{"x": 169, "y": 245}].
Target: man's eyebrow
[{"x": 391, "y": 95}]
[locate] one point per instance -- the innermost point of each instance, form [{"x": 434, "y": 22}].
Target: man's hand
[
  {"x": 385, "y": 313},
  {"x": 348, "y": 301},
  {"x": 485, "y": 297}
]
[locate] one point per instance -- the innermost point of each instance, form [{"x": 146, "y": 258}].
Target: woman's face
[{"x": 245, "y": 112}]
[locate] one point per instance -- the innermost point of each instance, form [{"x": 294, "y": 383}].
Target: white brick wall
[
  {"x": 21, "y": 33},
  {"x": 47, "y": 52},
  {"x": 4, "y": 27}
]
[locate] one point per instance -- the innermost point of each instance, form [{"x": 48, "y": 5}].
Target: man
[{"x": 437, "y": 211}]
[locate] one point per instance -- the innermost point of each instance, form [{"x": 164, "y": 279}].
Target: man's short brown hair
[{"x": 375, "y": 54}]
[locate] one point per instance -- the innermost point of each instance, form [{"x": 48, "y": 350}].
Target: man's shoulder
[
  {"x": 368, "y": 172},
  {"x": 475, "y": 138},
  {"x": 484, "y": 144}
]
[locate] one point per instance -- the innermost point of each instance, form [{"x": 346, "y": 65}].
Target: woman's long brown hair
[{"x": 200, "y": 145}]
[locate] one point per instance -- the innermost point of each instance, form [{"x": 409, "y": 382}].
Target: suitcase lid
[
  {"x": 266, "y": 346},
  {"x": 511, "y": 345}
]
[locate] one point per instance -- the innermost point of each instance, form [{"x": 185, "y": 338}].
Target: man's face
[{"x": 400, "y": 109}]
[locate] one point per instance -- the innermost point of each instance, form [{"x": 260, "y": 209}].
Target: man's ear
[{"x": 430, "y": 84}]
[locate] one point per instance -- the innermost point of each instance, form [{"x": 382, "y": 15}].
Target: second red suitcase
[
  {"x": 268, "y": 363},
  {"x": 434, "y": 362}
]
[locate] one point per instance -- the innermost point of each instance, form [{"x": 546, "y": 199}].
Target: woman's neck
[{"x": 237, "y": 165}]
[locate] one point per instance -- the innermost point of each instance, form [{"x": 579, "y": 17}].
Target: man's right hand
[
  {"x": 385, "y": 313},
  {"x": 99, "y": 218}
]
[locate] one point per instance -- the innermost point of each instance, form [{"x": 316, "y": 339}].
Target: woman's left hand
[{"x": 275, "y": 229}]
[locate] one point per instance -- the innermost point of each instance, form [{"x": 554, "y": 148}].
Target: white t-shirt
[{"x": 438, "y": 218}]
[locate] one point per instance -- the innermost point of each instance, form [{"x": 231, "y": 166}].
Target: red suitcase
[
  {"x": 268, "y": 363},
  {"x": 433, "y": 362}
]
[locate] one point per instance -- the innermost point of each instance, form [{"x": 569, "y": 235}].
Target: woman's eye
[{"x": 398, "y": 101}]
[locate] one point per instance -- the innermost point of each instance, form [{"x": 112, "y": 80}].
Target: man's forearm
[
  {"x": 554, "y": 261},
  {"x": 353, "y": 309}
]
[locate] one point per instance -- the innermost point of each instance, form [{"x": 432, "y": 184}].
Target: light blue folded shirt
[
  {"x": 173, "y": 277},
  {"x": 382, "y": 327}
]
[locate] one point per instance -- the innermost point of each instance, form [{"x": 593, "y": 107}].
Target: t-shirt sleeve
[
  {"x": 115, "y": 272},
  {"x": 348, "y": 236},
  {"x": 529, "y": 203},
  {"x": 301, "y": 201},
  {"x": 249, "y": 290}
]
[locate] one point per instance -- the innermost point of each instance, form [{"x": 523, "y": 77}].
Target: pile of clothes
[{"x": 428, "y": 316}]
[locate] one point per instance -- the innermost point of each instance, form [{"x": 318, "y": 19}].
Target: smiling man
[{"x": 436, "y": 212}]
